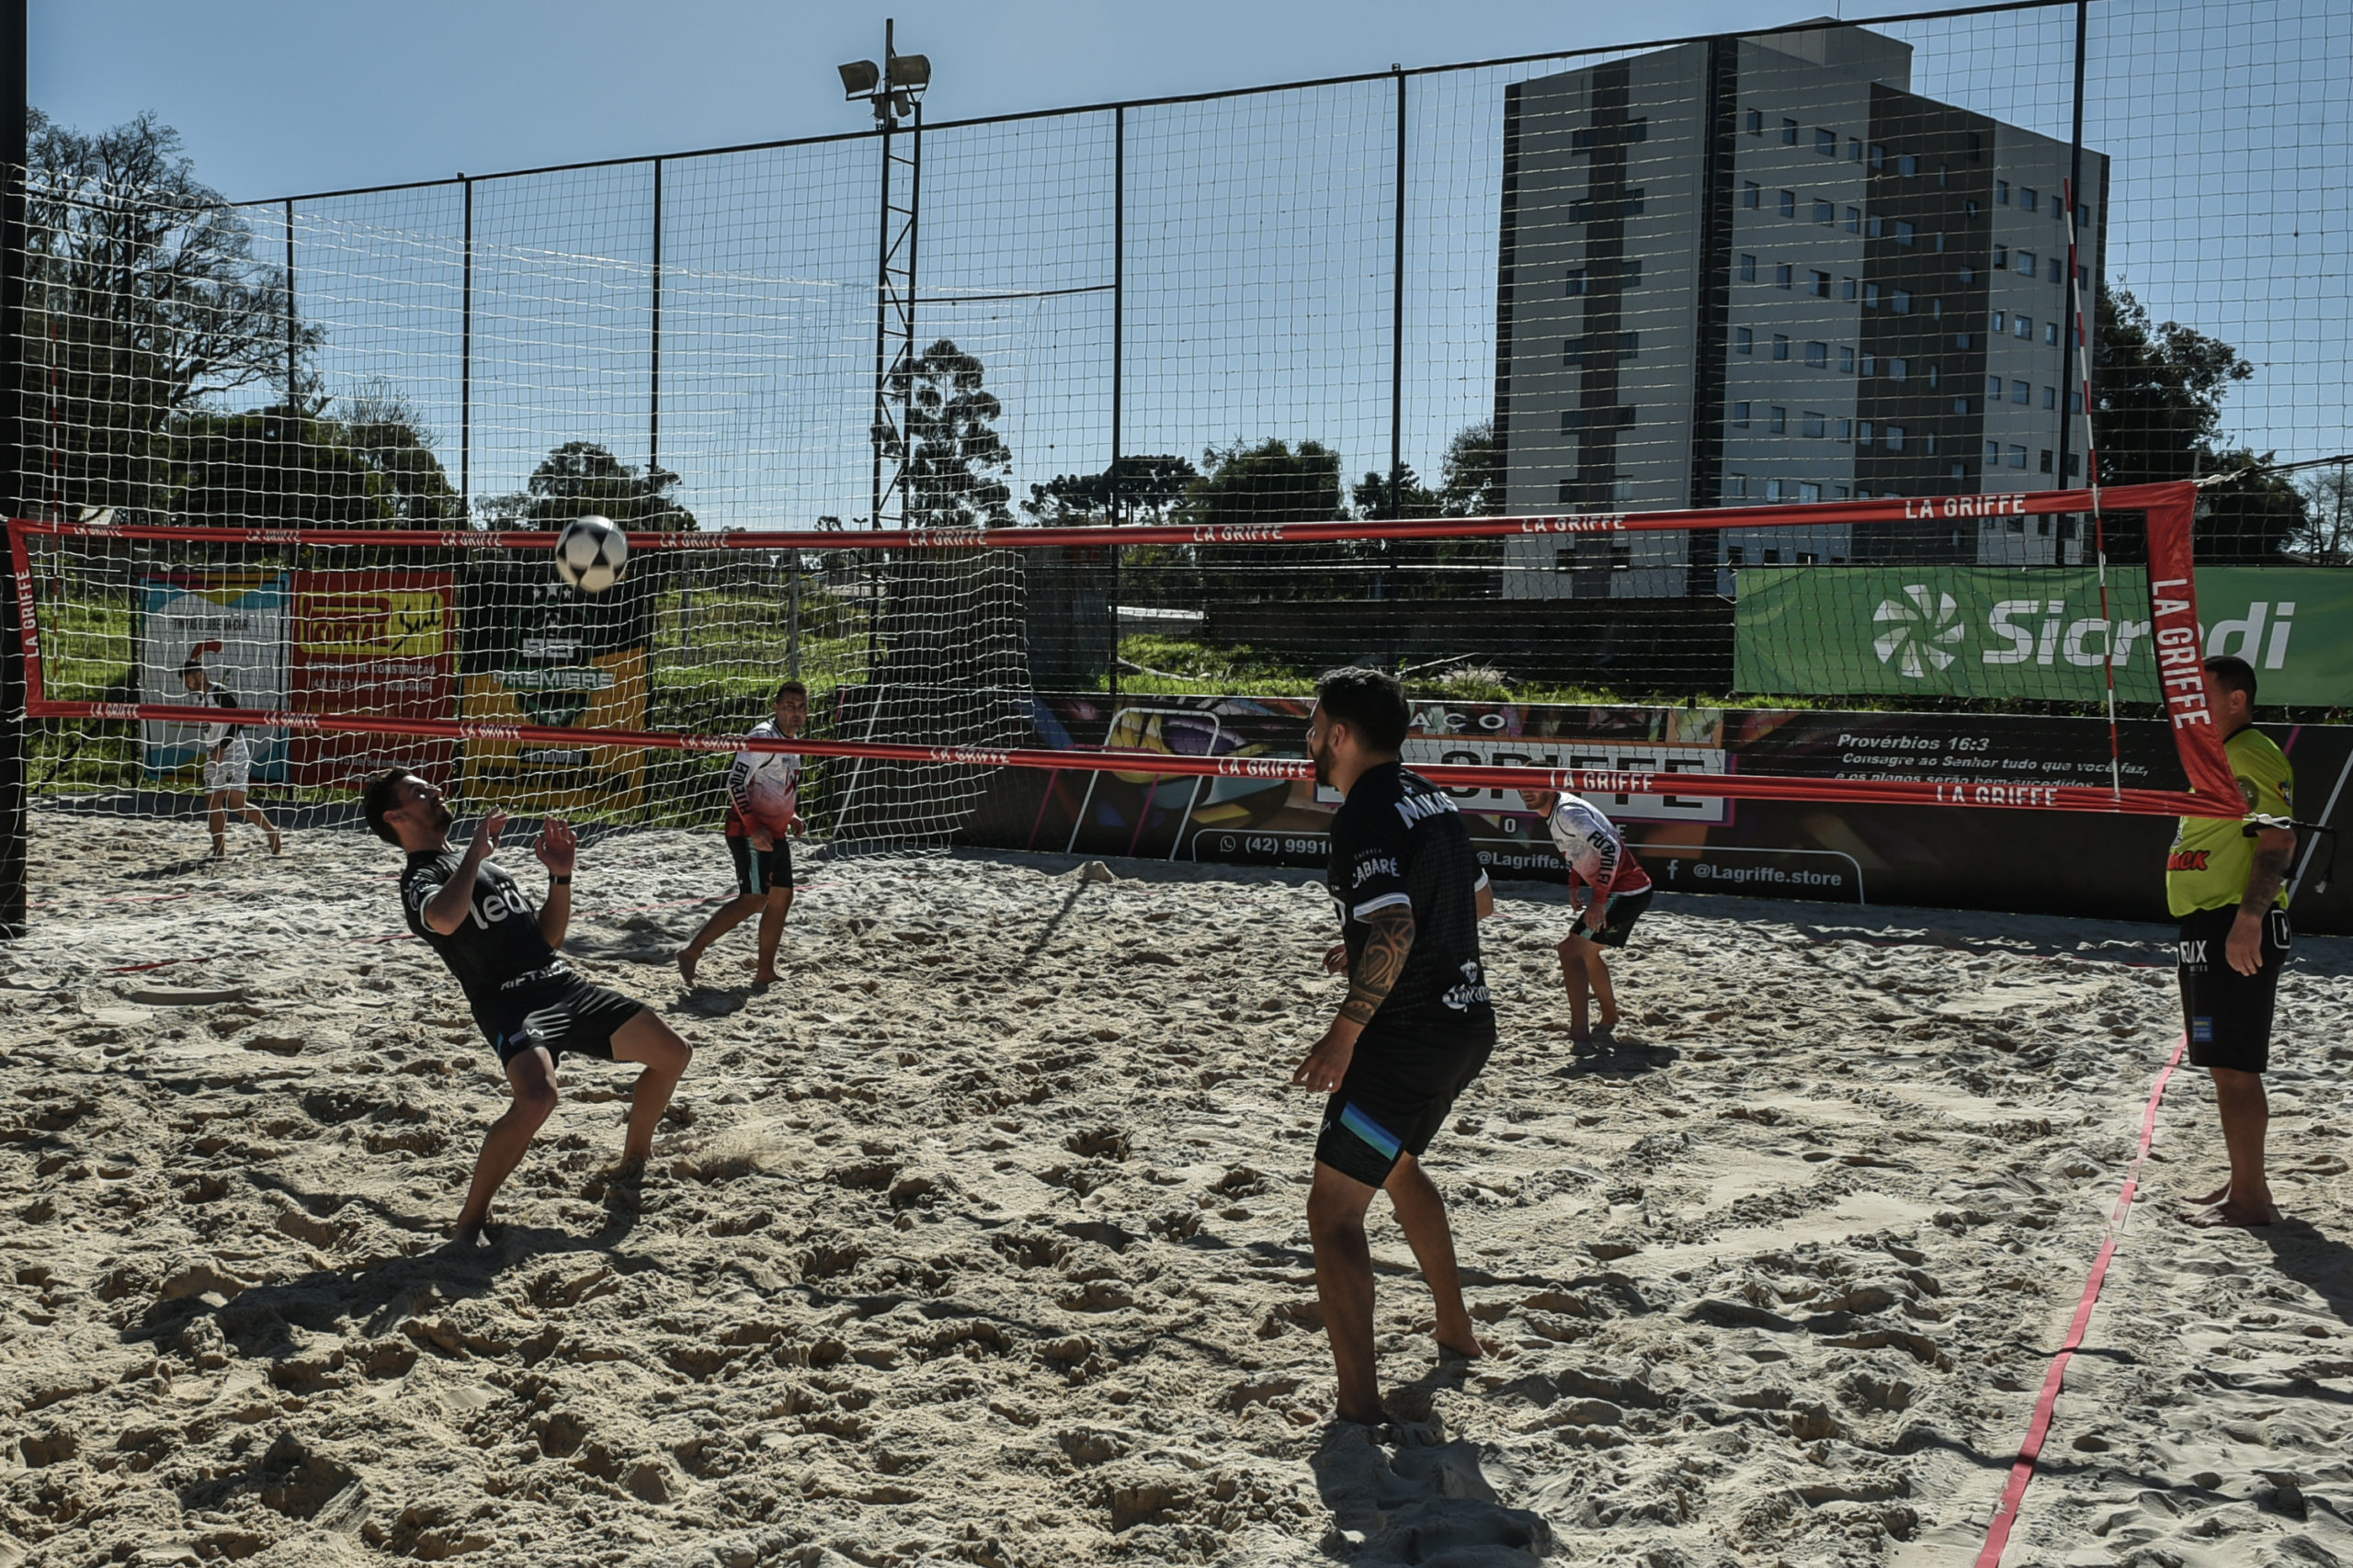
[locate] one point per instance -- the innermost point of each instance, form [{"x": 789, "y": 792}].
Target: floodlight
[
  {"x": 911, "y": 70},
  {"x": 859, "y": 78}
]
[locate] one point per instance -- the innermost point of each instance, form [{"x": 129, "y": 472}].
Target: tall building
[{"x": 1760, "y": 270}]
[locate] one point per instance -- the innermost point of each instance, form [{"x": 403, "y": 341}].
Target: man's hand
[
  {"x": 761, "y": 840},
  {"x": 485, "y": 839},
  {"x": 1336, "y": 960},
  {"x": 558, "y": 846},
  {"x": 800, "y": 828},
  {"x": 1327, "y": 1062},
  {"x": 2244, "y": 949}
]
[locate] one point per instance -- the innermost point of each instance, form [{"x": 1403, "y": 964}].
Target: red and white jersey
[
  {"x": 763, "y": 786},
  {"x": 1595, "y": 849}
]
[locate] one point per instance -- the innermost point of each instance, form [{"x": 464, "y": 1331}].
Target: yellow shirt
[{"x": 2212, "y": 856}]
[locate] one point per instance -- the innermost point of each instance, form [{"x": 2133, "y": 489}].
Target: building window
[
  {"x": 1825, "y": 142},
  {"x": 1944, "y": 174},
  {"x": 2046, "y": 467},
  {"x": 1747, "y": 267},
  {"x": 2001, "y": 324},
  {"x": 1818, "y": 355},
  {"x": 2075, "y": 401},
  {"x": 1870, "y": 296},
  {"x": 1878, "y": 156},
  {"x": 1846, "y": 429},
  {"x": 2021, "y": 394},
  {"x": 1897, "y": 369},
  {"x": 1863, "y": 432},
  {"x": 2001, "y": 193},
  {"x": 1780, "y": 346},
  {"x": 1750, "y": 196},
  {"x": 1740, "y": 416},
  {"x": 1854, "y": 220},
  {"x": 1838, "y": 491},
  {"x": 1969, "y": 208},
  {"x": 2074, "y": 465},
  {"x": 1931, "y": 439},
  {"x": 1756, "y": 122},
  {"x": 1788, "y": 204},
  {"x": 1854, "y": 150},
  {"x": 1743, "y": 340},
  {"x": 1808, "y": 492},
  {"x": 1777, "y": 421},
  {"x": 1629, "y": 273},
  {"x": 2058, "y": 270},
  {"x": 1993, "y": 454},
  {"x": 1782, "y": 274},
  {"x": 1788, "y": 133},
  {"x": 2027, "y": 263},
  {"x": 2018, "y": 458},
  {"x": 1847, "y": 358},
  {"x": 2028, "y": 198},
  {"x": 2001, "y": 257},
  {"x": 1572, "y": 353},
  {"x": 1907, "y": 166},
  {"x": 1735, "y": 554},
  {"x": 1735, "y": 485},
  {"x": 1818, "y": 285},
  {"x": 1846, "y": 290},
  {"x": 1968, "y": 273},
  {"x": 1581, "y": 141},
  {"x": 1580, "y": 281},
  {"x": 2021, "y": 327},
  {"x": 1961, "y": 406},
  {"x": 1904, "y": 231},
  {"x": 1772, "y": 493},
  {"x": 1814, "y": 424},
  {"x": 1875, "y": 226},
  {"x": 1630, "y": 345},
  {"x": 1825, "y": 212},
  {"x": 1932, "y": 377},
  {"x": 1893, "y": 435},
  {"x": 1568, "y": 499},
  {"x": 1900, "y": 302},
  {"x": 1572, "y": 421},
  {"x": 1993, "y": 389},
  {"x": 1621, "y": 490},
  {"x": 2050, "y": 397},
  {"x": 2051, "y": 333}
]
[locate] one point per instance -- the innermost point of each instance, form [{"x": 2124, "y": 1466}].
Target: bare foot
[
  {"x": 1609, "y": 1022},
  {"x": 2220, "y": 1195},
  {"x": 277, "y": 845},
  {"x": 1455, "y": 1353},
  {"x": 618, "y": 1182},
  {"x": 762, "y": 978},
  {"x": 687, "y": 959},
  {"x": 2225, "y": 1216},
  {"x": 466, "y": 1235}
]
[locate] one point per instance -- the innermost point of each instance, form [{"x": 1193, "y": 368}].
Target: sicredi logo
[{"x": 1923, "y": 631}]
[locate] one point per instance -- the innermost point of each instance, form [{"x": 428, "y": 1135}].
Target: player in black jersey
[
  {"x": 533, "y": 1007},
  {"x": 1416, "y": 1027}
]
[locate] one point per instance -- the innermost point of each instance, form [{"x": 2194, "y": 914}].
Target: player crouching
[
  {"x": 1617, "y": 890},
  {"x": 533, "y": 1007}
]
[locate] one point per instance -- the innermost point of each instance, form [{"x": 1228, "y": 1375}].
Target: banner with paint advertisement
[
  {"x": 1983, "y": 631},
  {"x": 232, "y": 625},
  {"x": 378, "y": 642}
]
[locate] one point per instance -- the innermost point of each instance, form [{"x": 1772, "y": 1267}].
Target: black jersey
[
  {"x": 498, "y": 950},
  {"x": 218, "y": 736},
  {"x": 1397, "y": 840}
]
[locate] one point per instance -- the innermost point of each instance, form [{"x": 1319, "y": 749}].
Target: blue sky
[{"x": 1257, "y": 228}]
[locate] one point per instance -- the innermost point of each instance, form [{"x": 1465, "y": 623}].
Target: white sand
[{"x": 981, "y": 1239}]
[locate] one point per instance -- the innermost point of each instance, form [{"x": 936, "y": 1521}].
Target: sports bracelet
[{"x": 560, "y": 882}]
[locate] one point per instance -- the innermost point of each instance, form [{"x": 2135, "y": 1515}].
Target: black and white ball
[{"x": 590, "y": 554}]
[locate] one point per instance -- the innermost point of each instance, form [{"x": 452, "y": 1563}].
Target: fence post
[
  {"x": 1118, "y": 357},
  {"x": 1397, "y": 323},
  {"x": 293, "y": 407},
  {"x": 653, "y": 392},
  {"x": 466, "y": 368},
  {"x": 13, "y": 772},
  {"x": 2074, "y": 196}
]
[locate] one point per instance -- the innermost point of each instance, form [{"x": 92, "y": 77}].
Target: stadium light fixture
[
  {"x": 913, "y": 71},
  {"x": 859, "y": 78}
]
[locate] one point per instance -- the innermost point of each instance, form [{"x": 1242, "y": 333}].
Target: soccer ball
[{"x": 590, "y": 554}]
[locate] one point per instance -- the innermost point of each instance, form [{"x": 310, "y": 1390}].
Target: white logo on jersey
[
  {"x": 2193, "y": 955},
  {"x": 1415, "y": 808}
]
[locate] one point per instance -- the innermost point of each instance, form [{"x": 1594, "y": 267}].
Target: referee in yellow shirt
[{"x": 2226, "y": 881}]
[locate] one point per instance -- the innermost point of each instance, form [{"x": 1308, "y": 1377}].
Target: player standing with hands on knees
[
  {"x": 2226, "y": 882},
  {"x": 534, "y": 1007},
  {"x": 1415, "y": 1028},
  {"x": 1617, "y": 890},
  {"x": 763, "y": 815}
]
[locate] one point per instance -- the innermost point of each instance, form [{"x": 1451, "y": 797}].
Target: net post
[
  {"x": 293, "y": 406},
  {"x": 1119, "y": 330},
  {"x": 466, "y": 366},
  {"x": 1397, "y": 321},
  {"x": 12, "y": 719},
  {"x": 2074, "y": 185},
  {"x": 653, "y": 388}
]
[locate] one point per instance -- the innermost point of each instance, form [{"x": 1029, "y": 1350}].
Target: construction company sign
[{"x": 2032, "y": 632}]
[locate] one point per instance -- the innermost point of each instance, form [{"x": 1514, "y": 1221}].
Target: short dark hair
[
  {"x": 2233, "y": 674},
  {"x": 1371, "y": 703},
  {"x": 796, "y": 684},
  {"x": 383, "y": 794}
]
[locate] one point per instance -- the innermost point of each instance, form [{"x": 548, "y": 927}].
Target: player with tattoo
[
  {"x": 2225, "y": 880},
  {"x": 1415, "y": 1028}
]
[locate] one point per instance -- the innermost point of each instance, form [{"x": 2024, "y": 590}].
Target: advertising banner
[
  {"x": 536, "y": 652},
  {"x": 1990, "y": 631},
  {"x": 372, "y": 641},
  {"x": 235, "y": 624}
]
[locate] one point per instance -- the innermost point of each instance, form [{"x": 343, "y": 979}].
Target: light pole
[{"x": 895, "y": 90}]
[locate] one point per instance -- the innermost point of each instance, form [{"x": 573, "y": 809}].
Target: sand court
[{"x": 982, "y": 1237}]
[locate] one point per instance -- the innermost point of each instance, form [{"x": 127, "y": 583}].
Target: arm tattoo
[
  {"x": 2263, "y": 882},
  {"x": 1383, "y": 960}
]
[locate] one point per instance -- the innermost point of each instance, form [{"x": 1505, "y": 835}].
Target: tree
[
  {"x": 386, "y": 429},
  {"x": 1146, "y": 489},
  {"x": 582, "y": 478},
  {"x": 1267, "y": 484},
  {"x": 275, "y": 468},
  {"x": 2157, "y": 406},
  {"x": 2327, "y": 538},
  {"x": 955, "y": 460},
  {"x": 1472, "y": 482},
  {"x": 142, "y": 299},
  {"x": 1376, "y": 497}
]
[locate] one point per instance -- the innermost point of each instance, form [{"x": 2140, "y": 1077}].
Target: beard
[
  {"x": 442, "y": 816},
  {"x": 1323, "y": 755}
]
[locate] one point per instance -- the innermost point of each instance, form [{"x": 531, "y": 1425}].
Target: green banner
[{"x": 2036, "y": 632}]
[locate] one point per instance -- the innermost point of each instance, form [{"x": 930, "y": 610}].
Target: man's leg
[
  {"x": 1421, "y": 1214},
  {"x": 645, "y": 1038},
  {"x": 1336, "y": 1206},
  {"x": 255, "y": 815},
  {"x": 217, "y": 820},
  {"x": 729, "y": 916},
  {"x": 772, "y": 914},
  {"x": 2246, "y": 1116},
  {"x": 531, "y": 1074},
  {"x": 1573, "y": 972},
  {"x": 1597, "y": 969}
]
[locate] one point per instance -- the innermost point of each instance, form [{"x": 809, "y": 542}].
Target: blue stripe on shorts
[{"x": 1375, "y": 1135}]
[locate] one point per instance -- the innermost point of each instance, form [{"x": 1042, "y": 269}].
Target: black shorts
[
  {"x": 1609, "y": 925},
  {"x": 2228, "y": 1015},
  {"x": 1395, "y": 1097},
  {"x": 761, "y": 870},
  {"x": 569, "y": 1016}
]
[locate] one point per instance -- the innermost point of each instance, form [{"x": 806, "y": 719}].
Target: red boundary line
[{"x": 2038, "y": 1427}]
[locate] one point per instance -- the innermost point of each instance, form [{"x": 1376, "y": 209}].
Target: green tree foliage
[
  {"x": 1269, "y": 482},
  {"x": 143, "y": 299},
  {"x": 2327, "y": 538},
  {"x": 1472, "y": 482},
  {"x": 2157, "y": 408},
  {"x": 582, "y": 478},
  {"x": 956, "y": 461},
  {"x": 1147, "y": 488},
  {"x": 275, "y": 468},
  {"x": 1376, "y": 497},
  {"x": 386, "y": 429}
]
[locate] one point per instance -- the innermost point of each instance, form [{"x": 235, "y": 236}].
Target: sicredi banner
[{"x": 2000, "y": 632}]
